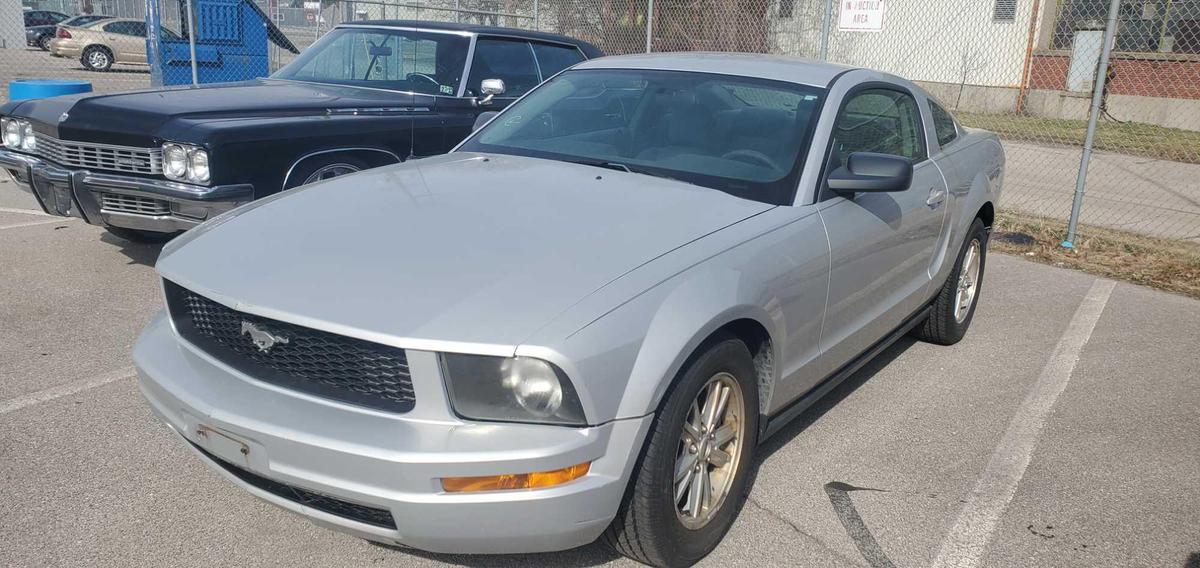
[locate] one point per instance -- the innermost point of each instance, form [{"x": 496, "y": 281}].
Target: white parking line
[
  {"x": 35, "y": 223},
  {"x": 966, "y": 542},
  {"x": 24, "y": 211},
  {"x": 60, "y": 391}
]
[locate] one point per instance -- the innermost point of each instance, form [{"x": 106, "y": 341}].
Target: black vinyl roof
[{"x": 588, "y": 49}]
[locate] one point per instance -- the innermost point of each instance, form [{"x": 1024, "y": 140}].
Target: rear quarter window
[
  {"x": 554, "y": 58},
  {"x": 943, "y": 124}
]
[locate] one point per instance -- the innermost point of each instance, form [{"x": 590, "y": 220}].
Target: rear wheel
[
  {"x": 138, "y": 236},
  {"x": 954, "y": 306},
  {"x": 693, "y": 475},
  {"x": 96, "y": 58}
]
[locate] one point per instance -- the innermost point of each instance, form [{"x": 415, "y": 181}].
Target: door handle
[{"x": 936, "y": 197}]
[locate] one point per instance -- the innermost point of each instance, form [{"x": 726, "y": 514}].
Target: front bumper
[
  {"x": 143, "y": 204},
  {"x": 392, "y": 462}
]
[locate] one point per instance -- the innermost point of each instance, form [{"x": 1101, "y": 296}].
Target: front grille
[
  {"x": 100, "y": 156},
  {"x": 135, "y": 204},
  {"x": 299, "y": 358},
  {"x": 332, "y": 505}
]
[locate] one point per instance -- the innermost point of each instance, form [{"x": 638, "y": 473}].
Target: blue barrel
[{"x": 21, "y": 89}]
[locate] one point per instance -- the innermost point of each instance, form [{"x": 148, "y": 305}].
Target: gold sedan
[{"x": 101, "y": 44}]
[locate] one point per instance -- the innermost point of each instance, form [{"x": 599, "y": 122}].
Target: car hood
[
  {"x": 464, "y": 251},
  {"x": 138, "y": 118}
]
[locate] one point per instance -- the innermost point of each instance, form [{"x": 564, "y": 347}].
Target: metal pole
[
  {"x": 191, "y": 19},
  {"x": 1098, "y": 85},
  {"x": 535, "y": 15},
  {"x": 826, "y": 24},
  {"x": 153, "y": 45},
  {"x": 649, "y": 25}
]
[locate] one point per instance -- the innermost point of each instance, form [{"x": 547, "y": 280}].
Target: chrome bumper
[{"x": 78, "y": 193}]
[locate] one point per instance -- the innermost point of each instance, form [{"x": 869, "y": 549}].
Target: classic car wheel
[
  {"x": 44, "y": 42},
  {"x": 144, "y": 237},
  {"x": 955, "y": 304},
  {"x": 97, "y": 58},
  {"x": 693, "y": 475},
  {"x": 320, "y": 169}
]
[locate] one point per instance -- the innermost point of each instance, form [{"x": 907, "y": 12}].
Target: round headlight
[
  {"x": 28, "y": 142},
  {"x": 12, "y": 133},
  {"x": 198, "y": 165},
  {"x": 175, "y": 161},
  {"x": 533, "y": 384}
]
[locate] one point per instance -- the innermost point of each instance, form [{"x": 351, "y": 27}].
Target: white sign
[
  {"x": 861, "y": 16},
  {"x": 312, "y": 5}
]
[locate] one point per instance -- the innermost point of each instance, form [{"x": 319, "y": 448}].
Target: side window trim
[{"x": 823, "y": 193}]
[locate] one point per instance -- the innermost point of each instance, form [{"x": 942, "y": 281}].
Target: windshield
[
  {"x": 739, "y": 135},
  {"x": 402, "y": 60}
]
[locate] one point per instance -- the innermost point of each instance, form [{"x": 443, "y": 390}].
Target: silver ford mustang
[{"x": 583, "y": 320}]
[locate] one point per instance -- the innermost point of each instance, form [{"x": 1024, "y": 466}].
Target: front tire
[
  {"x": 321, "y": 169},
  {"x": 954, "y": 306},
  {"x": 96, "y": 58},
  {"x": 693, "y": 475}
]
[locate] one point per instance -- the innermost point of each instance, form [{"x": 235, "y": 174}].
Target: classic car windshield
[
  {"x": 403, "y": 60},
  {"x": 739, "y": 135}
]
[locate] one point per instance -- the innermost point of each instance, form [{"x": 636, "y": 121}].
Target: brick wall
[{"x": 1133, "y": 75}]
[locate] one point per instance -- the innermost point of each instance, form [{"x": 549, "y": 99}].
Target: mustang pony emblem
[{"x": 263, "y": 339}]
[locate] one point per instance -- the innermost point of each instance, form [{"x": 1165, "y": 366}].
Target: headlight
[
  {"x": 13, "y": 132},
  {"x": 175, "y": 161},
  {"x": 510, "y": 389},
  {"x": 28, "y": 141},
  {"x": 185, "y": 162},
  {"x": 198, "y": 165}
]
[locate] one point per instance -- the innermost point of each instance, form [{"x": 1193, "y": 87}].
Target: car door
[
  {"x": 508, "y": 59},
  {"x": 881, "y": 244}
]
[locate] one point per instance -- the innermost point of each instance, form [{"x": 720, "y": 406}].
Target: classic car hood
[
  {"x": 478, "y": 250},
  {"x": 136, "y": 118}
]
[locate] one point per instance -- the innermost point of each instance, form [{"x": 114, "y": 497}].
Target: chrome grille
[
  {"x": 134, "y": 204},
  {"x": 100, "y": 156}
]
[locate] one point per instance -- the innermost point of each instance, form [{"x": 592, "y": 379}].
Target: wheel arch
[
  {"x": 686, "y": 322},
  {"x": 374, "y": 157}
]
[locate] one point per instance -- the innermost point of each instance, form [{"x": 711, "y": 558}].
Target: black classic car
[{"x": 148, "y": 164}]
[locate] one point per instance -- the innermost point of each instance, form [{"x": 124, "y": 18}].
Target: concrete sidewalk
[{"x": 1131, "y": 193}]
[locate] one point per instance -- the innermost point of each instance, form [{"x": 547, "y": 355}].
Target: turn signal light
[{"x": 534, "y": 480}]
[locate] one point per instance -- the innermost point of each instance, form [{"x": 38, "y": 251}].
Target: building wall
[{"x": 950, "y": 41}]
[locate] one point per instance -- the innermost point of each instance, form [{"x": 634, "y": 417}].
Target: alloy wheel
[
  {"x": 968, "y": 282},
  {"x": 709, "y": 449},
  {"x": 98, "y": 59}
]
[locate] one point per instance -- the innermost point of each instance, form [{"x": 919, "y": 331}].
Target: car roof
[
  {"x": 775, "y": 67},
  {"x": 587, "y": 48}
]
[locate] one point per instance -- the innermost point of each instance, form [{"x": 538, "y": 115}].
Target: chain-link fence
[{"x": 1034, "y": 71}]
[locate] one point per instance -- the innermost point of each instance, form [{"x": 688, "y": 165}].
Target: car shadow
[
  {"x": 145, "y": 254},
  {"x": 588, "y": 555},
  {"x": 830, "y": 400}
]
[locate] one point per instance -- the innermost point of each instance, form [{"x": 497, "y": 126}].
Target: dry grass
[
  {"x": 1133, "y": 138},
  {"x": 1159, "y": 263}
]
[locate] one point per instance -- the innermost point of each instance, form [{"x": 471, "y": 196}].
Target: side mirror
[
  {"x": 490, "y": 88},
  {"x": 483, "y": 119},
  {"x": 871, "y": 172}
]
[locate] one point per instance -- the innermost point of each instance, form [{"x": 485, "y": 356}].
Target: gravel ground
[{"x": 994, "y": 443}]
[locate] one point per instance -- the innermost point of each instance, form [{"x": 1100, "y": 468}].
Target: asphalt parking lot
[{"x": 1063, "y": 431}]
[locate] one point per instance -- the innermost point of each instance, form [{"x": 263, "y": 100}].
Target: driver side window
[
  {"x": 879, "y": 120},
  {"x": 509, "y": 60}
]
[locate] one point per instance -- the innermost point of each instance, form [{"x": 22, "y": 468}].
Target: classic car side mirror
[
  {"x": 483, "y": 119},
  {"x": 871, "y": 172},
  {"x": 490, "y": 88}
]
